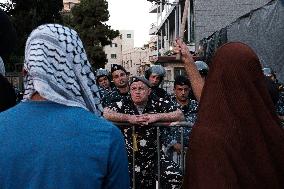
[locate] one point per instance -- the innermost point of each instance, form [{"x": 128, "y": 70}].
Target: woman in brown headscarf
[{"x": 237, "y": 141}]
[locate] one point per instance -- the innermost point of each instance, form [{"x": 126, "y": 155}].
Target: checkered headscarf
[{"x": 58, "y": 69}]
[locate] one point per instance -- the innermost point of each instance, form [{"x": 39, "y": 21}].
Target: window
[
  {"x": 179, "y": 71},
  {"x": 114, "y": 44},
  {"x": 191, "y": 21},
  {"x": 128, "y": 35},
  {"x": 113, "y": 56}
]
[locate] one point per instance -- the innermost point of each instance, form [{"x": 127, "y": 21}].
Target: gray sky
[{"x": 131, "y": 15}]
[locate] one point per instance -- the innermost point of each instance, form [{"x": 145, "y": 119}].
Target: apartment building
[
  {"x": 69, "y": 4},
  {"x": 122, "y": 51},
  {"x": 136, "y": 60},
  {"x": 120, "y": 44}
]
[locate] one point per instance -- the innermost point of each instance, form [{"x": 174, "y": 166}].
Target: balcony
[
  {"x": 153, "y": 29},
  {"x": 156, "y": 8}
]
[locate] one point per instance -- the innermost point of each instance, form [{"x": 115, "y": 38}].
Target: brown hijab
[{"x": 237, "y": 141}]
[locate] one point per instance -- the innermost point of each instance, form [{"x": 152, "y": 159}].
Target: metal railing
[{"x": 158, "y": 126}]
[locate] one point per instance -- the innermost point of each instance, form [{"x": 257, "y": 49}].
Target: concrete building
[
  {"x": 69, "y": 4},
  {"x": 122, "y": 51},
  {"x": 136, "y": 60},
  {"x": 204, "y": 18},
  {"x": 120, "y": 44}
]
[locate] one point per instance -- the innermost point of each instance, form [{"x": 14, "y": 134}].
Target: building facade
[
  {"x": 136, "y": 60},
  {"x": 122, "y": 51},
  {"x": 204, "y": 18},
  {"x": 69, "y": 4},
  {"x": 119, "y": 45}
]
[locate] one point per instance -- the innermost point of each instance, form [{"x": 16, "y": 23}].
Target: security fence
[{"x": 179, "y": 157}]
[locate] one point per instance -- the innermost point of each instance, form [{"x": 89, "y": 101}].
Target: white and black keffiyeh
[
  {"x": 2, "y": 67},
  {"x": 58, "y": 69}
]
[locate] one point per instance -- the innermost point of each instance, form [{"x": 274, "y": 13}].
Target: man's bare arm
[
  {"x": 197, "y": 82},
  {"x": 114, "y": 116},
  {"x": 166, "y": 117}
]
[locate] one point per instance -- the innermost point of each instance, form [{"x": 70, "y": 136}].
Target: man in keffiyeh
[{"x": 56, "y": 136}]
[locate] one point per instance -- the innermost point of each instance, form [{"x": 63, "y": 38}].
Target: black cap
[
  {"x": 142, "y": 79},
  {"x": 115, "y": 67}
]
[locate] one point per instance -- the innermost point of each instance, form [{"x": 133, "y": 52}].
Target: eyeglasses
[{"x": 139, "y": 89}]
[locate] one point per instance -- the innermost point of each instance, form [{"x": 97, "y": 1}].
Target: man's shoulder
[{"x": 122, "y": 105}]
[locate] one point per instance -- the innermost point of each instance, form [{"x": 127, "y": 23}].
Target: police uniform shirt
[
  {"x": 114, "y": 96},
  {"x": 126, "y": 106},
  {"x": 173, "y": 135},
  {"x": 104, "y": 92},
  {"x": 144, "y": 143},
  {"x": 157, "y": 93}
]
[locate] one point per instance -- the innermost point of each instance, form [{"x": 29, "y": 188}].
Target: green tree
[
  {"x": 88, "y": 19},
  {"x": 26, "y": 15}
]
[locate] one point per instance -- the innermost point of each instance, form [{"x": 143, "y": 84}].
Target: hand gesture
[{"x": 181, "y": 47}]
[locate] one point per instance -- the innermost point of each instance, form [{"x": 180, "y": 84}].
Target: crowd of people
[{"x": 58, "y": 136}]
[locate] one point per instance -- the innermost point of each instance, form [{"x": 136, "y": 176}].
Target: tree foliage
[
  {"x": 88, "y": 19},
  {"x": 26, "y": 15}
]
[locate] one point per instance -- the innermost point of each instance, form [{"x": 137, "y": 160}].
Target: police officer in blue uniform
[
  {"x": 155, "y": 75},
  {"x": 141, "y": 141},
  {"x": 121, "y": 90},
  {"x": 103, "y": 81}
]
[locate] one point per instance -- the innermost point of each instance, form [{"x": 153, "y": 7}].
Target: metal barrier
[{"x": 158, "y": 130}]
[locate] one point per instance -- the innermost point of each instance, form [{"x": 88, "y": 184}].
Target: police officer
[
  {"x": 155, "y": 75},
  {"x": 103, "y": 81},
  {"x": 172, "y": 136},
  {"x": 142, "y": 110},
  {"x": 121, "y": 81}
]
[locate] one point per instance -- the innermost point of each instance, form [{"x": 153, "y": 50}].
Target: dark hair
[{"x": 181, "y": 80}]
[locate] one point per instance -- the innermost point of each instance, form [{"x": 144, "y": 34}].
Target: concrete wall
[{"x": 212, "y": 15}]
